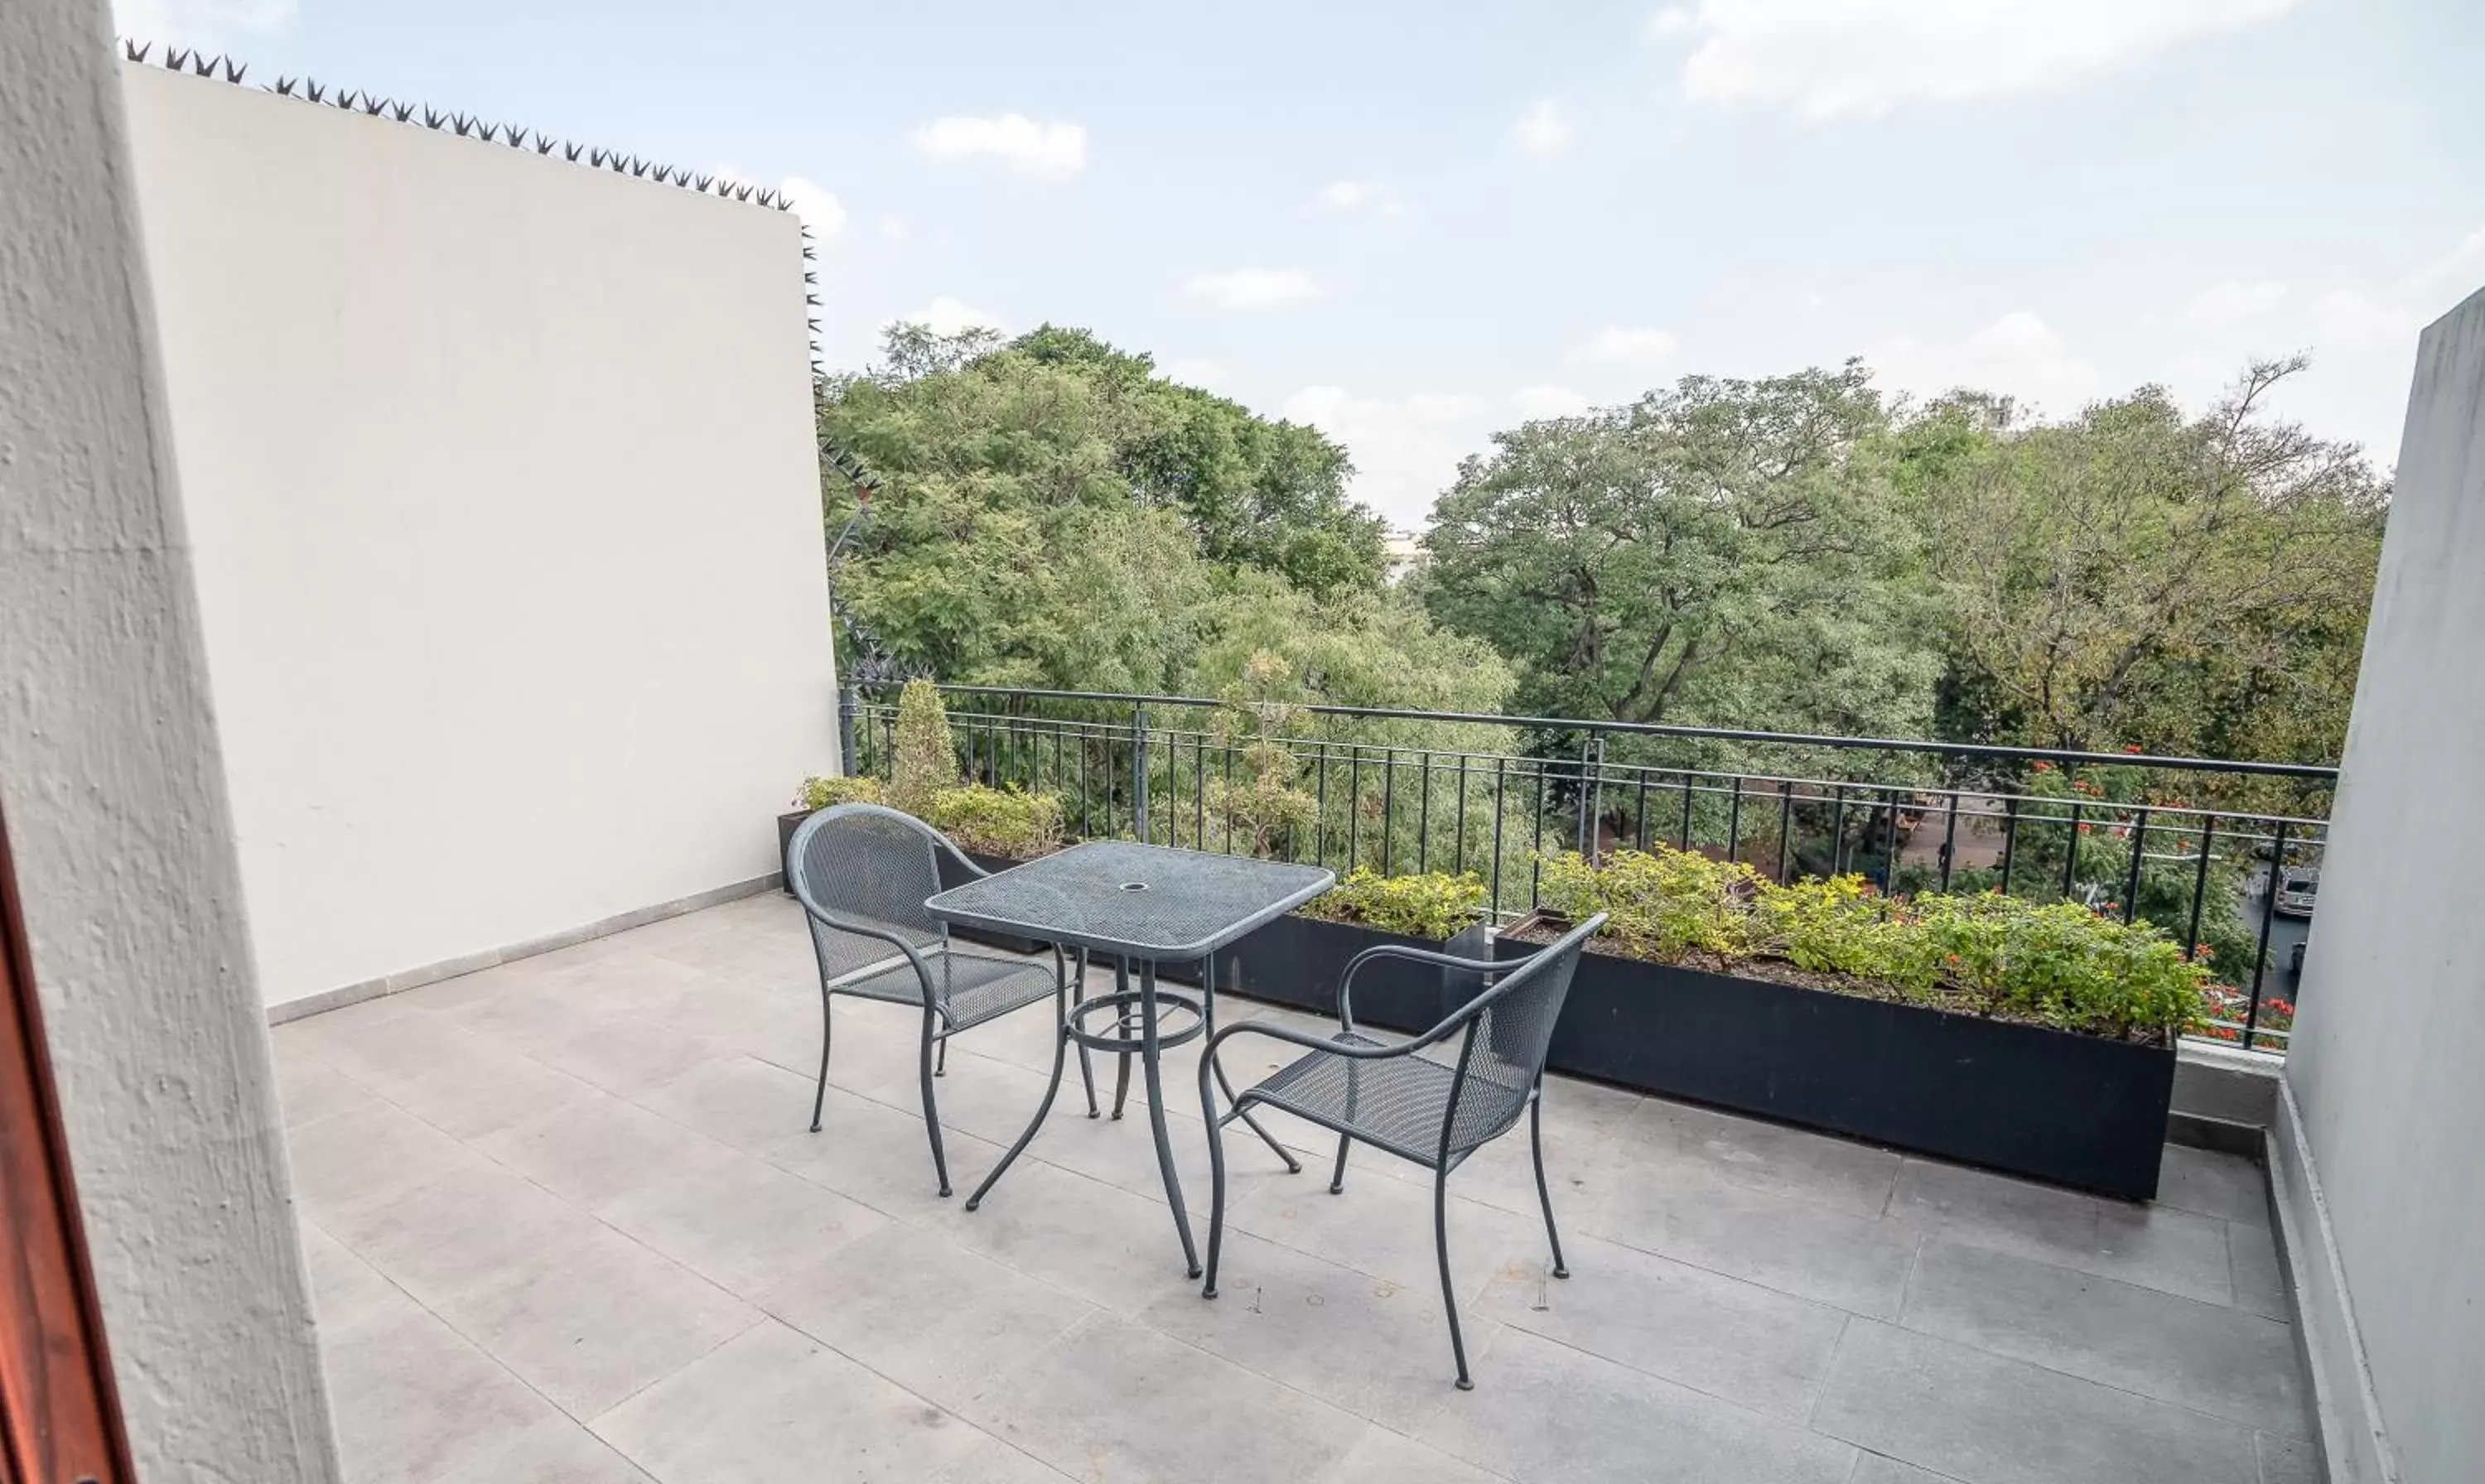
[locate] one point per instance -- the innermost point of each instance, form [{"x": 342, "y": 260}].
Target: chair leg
[
  {"x": 931, "y": 1107},
  {"x": 1449, "y": 1292},
  {"x": 1544, "y": 1192},
  {"x": 1337, "y": 1179},
  {"x": 941, "y": 1060},
  {"x": 1216, "y": 1179},
  {"x": 820, "y": 1095},
  {"x": 1086, "y": 1065},
  {"x": 1207, "y": 1002}
]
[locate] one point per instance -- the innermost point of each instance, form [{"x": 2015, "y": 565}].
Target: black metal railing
[{"x": 1409, "y": 791}]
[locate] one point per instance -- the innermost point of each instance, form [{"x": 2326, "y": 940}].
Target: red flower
[
  {"x": 2044, "y": 767},
  {"x": 2132, "y": 748}
]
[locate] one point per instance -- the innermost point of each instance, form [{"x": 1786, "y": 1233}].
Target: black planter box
[
  {"x": 1297, "y": 961},
  {"x": 2023, "y": 1099},
  {"x": 787, "y": 824}
]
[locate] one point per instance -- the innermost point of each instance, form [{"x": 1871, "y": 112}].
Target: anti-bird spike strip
[{"x": 226, "y": 68}]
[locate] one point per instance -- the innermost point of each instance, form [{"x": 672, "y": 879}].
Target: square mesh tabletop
[{"x": 1146, "y": 901}]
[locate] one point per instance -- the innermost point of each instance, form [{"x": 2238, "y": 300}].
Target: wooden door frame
[{"x": 60, "y": 1421}]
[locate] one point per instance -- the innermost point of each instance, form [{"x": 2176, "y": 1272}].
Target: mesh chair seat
[
  {"x": 1396, "y": 1104},
  {"x": 971, "y": 988}
]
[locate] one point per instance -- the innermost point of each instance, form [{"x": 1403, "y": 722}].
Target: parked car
[{"x": 2296, "y": 885}]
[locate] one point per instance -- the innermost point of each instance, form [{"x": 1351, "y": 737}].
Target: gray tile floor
[{"x": 565, "y": 1223}]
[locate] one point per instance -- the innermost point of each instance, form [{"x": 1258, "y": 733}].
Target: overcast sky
[{"x": 1412, "y": 223}]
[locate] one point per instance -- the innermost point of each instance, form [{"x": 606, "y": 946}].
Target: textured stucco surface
[
  {"x": 115, "y": 799},
  {"x": 2384, "y": 1099},
  {"x": 500, "y": 475}
]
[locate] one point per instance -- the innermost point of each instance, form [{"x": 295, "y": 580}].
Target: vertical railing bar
[
  {"x": 1536, "y": 843},
  {"x": 1735, "y": 824},
  {"x": 1388, "y": 811},
  {"x": 2200, "y": 887},
  {"x": 2009, "y": 839},
  {"x": 1424, "y": 822},
  {"x": 2268, "y": 919},
  {"x": 1684, "y": 837},
  {"x": 1950, "y": 840},
  {"x": 1500, "y": 796},
  {"x": 1353, "y": 806},
  {"x": 2072, "y": 854},
  {"x": 1639, "y": 810},
  {"x": 1786, "y": 825},
  {"x": 1838, "y": 835},
  {"x": 1461, "y": 866},
  {"x": 1889, "y": 842},
  {"x": 1319, "y": 824},
  {"x": 2131, "y": 887}
]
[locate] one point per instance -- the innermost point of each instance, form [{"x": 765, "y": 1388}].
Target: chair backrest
[
  {"x": 861, "y": 873},
  {"x": 1511, "y": 1029}
]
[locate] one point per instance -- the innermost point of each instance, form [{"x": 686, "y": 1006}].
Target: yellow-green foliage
[
  {"x": 926, "y": 759},
  {"x": 818, "y": 793},
  {"x": 1658, "y": 902},
  {"x": 2061, "y": 962},
  {"x": 1433, "y": 905},
  {"x": 997, "y": 822}
]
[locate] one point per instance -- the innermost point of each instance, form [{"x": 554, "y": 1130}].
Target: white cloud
[
  {"x": 949, "y": 316},
  {"x": 2223, "y": 304},
  {"x": 819, "y": 209},
  {"x": 1252, "y": 291},
  {"x": 2017, "y": 354},
  {"x": 1831, "y": 59},
  {"x": 1634, "y": 348},
  {"x": 1544, "y": 130},
  {"x": 894, "y": 226},
  {"x": 212, "y": 23},
  {"x": 1348, "y": 196},
  {"x": 1049, "y": 150},
  {"x": 1405, "y": 450},
  {"x": 1210, "y": 374},
  {"x": 1534, "y": 402}
]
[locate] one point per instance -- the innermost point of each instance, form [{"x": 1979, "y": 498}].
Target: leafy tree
[
  {"x": 2136, "y": 577},
  {"x": 1727, "y": 553}
]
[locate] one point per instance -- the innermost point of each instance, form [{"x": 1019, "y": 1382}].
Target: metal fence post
[
  {"x": 1140, "y": 770},
  {"x": 849, "y": 706}
]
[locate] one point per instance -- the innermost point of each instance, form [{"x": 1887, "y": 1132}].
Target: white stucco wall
[
  {"x": 2385, "y": 1108},
  {"x": 500, "y": 474},
  {"x": 115, "y": 807}
]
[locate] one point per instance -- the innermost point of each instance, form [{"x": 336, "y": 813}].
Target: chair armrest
[
  {"x": 1292, "y": 1037},
  {"x": 1346, "y": 979}
]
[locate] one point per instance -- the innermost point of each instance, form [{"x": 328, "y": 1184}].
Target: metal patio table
[{"x": 1143, "y": 904}]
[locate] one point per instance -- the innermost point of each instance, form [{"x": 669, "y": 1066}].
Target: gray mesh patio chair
[
  {"x": 862, "y": 874},
  {"x": 1487, "y": 1067}
]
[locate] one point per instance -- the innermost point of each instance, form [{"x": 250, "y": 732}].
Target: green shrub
[
  {"x": 2058, "y": 963},
  {"x": 1432, "y": 905},
  {"x": 925, "y": 758},
  {"x": 997, "y": 822},
  {"x": 817, "y": 794},
  {"x": 1658, "y": 902},
  {"x": 1841, "y": 926}
]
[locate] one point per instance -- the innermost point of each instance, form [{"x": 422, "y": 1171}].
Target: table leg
[
  {"x": 1122, "y": 1076},
  {"x": 1044, "y": 1109},
  {"x": 1207, "y": 1012},
  {"x": 1149, "y": 1055}
]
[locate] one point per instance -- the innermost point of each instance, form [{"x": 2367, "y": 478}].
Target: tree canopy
[
  {"x": 1726, "y": 553},
  {"x": 1798, "y": 553},
  {"x": 1052, "y": 513}
]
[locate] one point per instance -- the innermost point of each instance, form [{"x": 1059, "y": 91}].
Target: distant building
[{"x": 1404, "y": 551}]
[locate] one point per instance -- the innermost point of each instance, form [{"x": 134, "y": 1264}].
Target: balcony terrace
[{"x": 565, "y": 1222}]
